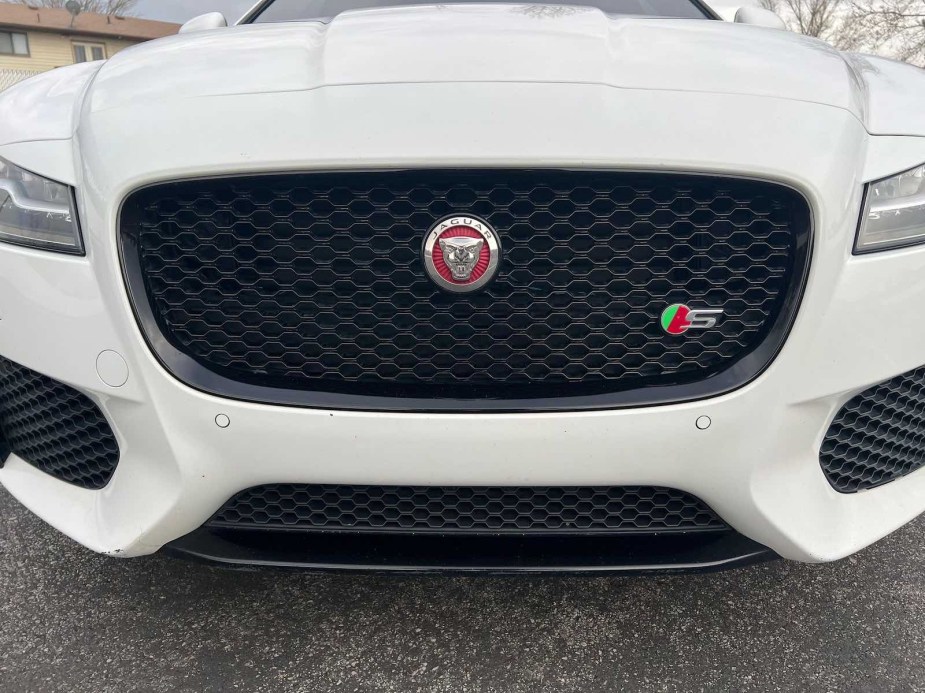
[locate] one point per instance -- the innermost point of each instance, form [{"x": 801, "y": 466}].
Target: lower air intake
[
  {"x": 467, "y": 510},
  {"x": 55, "y": 428},
  {"x": 878, "y": 436}
]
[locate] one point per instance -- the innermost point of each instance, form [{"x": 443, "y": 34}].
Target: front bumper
[{"x": 757, "y": 465}]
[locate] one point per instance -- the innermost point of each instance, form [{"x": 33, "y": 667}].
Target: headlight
[
  {"x": 894, "y": 213},
  {"x": 37, "y": 212}
]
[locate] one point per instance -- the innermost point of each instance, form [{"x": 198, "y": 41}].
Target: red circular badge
[{"x": 461, "y": 253}]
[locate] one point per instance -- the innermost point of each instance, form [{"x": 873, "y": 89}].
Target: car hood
[{"x": 477, "y": 43}]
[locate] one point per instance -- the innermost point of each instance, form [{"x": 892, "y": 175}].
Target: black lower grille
[
  {"x": 314, "y": 283},
  {"x": 55, "y": 428},
  {"x": 469, "y": 510},
  {"x": 878, "y": 436}
]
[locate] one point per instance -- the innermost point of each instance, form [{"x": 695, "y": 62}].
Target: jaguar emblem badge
[{"x": 462, "y": 253}]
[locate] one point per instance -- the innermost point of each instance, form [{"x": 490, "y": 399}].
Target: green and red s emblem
[{"x": 679, "y": 318}]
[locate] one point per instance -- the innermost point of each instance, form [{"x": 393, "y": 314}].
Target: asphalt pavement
[{"x": 73, "y": 621}]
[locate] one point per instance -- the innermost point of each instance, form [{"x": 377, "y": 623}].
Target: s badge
[{"x": 679, "y": 318}]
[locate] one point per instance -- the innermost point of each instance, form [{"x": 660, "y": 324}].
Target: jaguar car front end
[{"x": 467, "y": 287}]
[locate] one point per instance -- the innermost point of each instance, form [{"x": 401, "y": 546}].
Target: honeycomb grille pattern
[
  {"x": 878, "y": 436},
  {"x": 55, "y": 428},
  {"x": 315, "y": 281},
  {"x": 466, "y": 509}
]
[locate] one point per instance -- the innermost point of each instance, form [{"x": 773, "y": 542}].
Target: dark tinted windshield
[{"x": 301, "y": 10}]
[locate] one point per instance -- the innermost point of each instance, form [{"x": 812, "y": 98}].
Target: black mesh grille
[
  {"x": 878, "y": 436},
  {"x": 467, "y": 509},
  {"x": 315, "y": 281},
  {"x": 55, "y": 428}
]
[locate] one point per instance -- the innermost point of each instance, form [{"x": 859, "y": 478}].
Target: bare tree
[
  {"x": 819, "y": 18},
  {"x": 895, "y": 28},
  {"x": 118, "y": 7}
]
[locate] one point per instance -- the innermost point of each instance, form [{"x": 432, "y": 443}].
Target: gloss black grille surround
[
  {"x": 55, "y": 428},
  {"x": 878, "y": 436},
  {"x": 466, "y": 510},
  {"x": 309, "y": 289}
]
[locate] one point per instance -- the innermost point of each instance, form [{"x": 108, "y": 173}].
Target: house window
[
  {"x": 12, "y": 43},
  {"x": 85, "y": 52}
]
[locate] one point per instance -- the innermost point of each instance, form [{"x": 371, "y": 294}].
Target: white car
[{"x": 483, "y": 286}]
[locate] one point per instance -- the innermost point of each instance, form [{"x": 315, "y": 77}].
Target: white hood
[{"x": 480, "y": 43}]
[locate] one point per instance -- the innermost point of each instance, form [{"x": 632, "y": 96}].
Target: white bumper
[{"x": 758, "y": 463}]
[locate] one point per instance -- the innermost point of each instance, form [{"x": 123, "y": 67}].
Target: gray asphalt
[{"x": 73, "y": 621}]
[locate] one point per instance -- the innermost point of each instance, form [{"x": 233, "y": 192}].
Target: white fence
[{"x": 10, "y": 77}]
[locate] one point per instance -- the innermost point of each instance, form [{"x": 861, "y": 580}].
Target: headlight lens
[
  {"x": 894, "y": 213},
  {"x": 37, "y": 212}
]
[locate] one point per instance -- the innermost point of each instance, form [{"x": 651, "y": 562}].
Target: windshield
[{"x": 304, "y": 10}]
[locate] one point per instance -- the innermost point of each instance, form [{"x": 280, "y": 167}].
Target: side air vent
[
  {"x": 55, "y": 428},
  {"x": 878, "y": 436}
]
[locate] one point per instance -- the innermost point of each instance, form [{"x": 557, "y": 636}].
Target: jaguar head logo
[{"x": 461, "y": 255}]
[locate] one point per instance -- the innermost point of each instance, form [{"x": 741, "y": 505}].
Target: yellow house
[{"x": 33, "y": 40}]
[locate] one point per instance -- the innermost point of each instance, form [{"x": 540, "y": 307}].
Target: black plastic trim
[
  {"x": 497, "y": 555},
  {"x": 192, "y": 373},
  {"x": 5, "y": 450}
]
